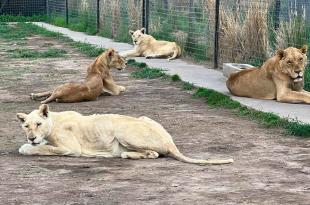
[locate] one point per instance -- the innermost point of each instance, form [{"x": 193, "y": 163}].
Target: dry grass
[
  {"x": 104, "y": 12},
  {"x": 115, "y": 5},
  {"x": 292, "y": 32},
  {"x": 244, "y": 35},
  {"x": 243, "y": 29},
  {"x": 134, "y": 14},
  {"x": 255, "y": 29}
]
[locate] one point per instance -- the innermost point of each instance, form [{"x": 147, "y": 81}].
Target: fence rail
[{"x": 219, "y": 31}]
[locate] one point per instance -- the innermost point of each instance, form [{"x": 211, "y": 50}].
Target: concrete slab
[{"x": 197, "y": 74}]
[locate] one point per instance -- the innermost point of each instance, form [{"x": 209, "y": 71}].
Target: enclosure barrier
[{"x": 239, "y": 31}]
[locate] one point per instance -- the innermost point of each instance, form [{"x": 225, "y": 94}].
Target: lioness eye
[
  {"x": 301, "y": 59},
  {"x": 38, "y": 124},
  {"x": 289, "y": 62},
  {"x": 26, "y": 126}
]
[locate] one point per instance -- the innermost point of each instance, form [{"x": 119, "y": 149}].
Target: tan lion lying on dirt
[
  {"x": 149, "y": 47},
  {"x": 280, "y": 77},
  {"x": 98, "y": 79},
  {"x": 72, "y": 134}
]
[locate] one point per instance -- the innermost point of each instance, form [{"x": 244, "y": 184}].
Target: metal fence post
[
  {"x": 277, "y": 14},
  {"x": 98, "y": 15},
  {"x": 216, "y": 34},
  {"x": 48, "y": 10},
  {"x": 145, "y": 15},
  {"x": 67, "y": 13}
]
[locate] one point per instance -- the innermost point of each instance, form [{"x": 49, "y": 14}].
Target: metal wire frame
[
  {"x": 23, "y": 8},
  {"x": 251, "y": 31}
]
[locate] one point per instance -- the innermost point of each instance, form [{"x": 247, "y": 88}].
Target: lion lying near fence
[
  {"x": 98, "y": 79},
  {"x": 149, "y": 47},
  {"x": 280, "y": 77},
  {"x": 110, "y": 135}
]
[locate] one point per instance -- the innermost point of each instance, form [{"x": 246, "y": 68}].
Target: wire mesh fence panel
[
  {"x": 82, "y": 15},
  {"x": 189, "y": 23},
  {"x": 24, "y": 8},
  {"x": 118, "y": 17},
  {"x": 244, "y": 31},
  {"x": 251, "y": 31},
  {"x": 56, "y": 11}
]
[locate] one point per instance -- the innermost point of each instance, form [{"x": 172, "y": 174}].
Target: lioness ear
[
  {"x": 21, "y": 117},
  {"x": 131, "y": 32},
  {"x": 43, "y": 110},
  {"x": 280, "y": 53},
  {"x": 142, "y": 30},
  {"x": 111, "y": 52},
  {"x": 304, "y": 49}
]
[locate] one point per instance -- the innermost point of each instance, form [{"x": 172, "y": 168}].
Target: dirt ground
[{"x": 270, "y": 167}]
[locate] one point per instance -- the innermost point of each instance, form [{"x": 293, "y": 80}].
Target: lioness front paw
[
  {"x": 122, "y": 88},
  {"x": 33, "y": 96},
  {"x": 25, "y": 149}
]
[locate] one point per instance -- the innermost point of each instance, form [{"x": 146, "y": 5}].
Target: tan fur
[
  {"x": 98, "y": 79},
  {"x": 149, "y": 47},
  {"x": 280, "y": 77},
  {"x": 110, "y": 135}
]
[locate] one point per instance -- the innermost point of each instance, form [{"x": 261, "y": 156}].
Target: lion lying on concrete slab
[
  {"x": 110, "y": 135},
  {"x": 147, "y": 46},
  {"x": 280, "y": 77},
  {"x": 98, "y": 79}
]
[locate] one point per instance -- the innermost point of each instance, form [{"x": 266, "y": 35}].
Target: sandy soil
[{"x": 269, "y": 168}]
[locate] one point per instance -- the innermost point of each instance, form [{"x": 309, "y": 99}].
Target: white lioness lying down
[
  {"x": 72, "y": 134},
  {"x": 147, "y": 46}
]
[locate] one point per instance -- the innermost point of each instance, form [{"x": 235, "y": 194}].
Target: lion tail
[{"x": 175, "y": 153}]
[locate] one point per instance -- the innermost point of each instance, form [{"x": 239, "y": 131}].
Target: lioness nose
[
  {"x": 297, "y": 71},
  {"x": 31, "y": 138}
]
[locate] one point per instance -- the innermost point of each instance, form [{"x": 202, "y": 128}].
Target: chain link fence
[
  {"x": 240, "y": 31},
  {"x": 251, "y": 31},
  {"x": 24, "y": 7},
  {"x": 118, "y": 17}
]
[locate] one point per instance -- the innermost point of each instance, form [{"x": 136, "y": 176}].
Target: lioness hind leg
[
  {"x": 35, "y": 96},
  {"x": 49, "y": 99},
  {"x": 147, "y": 154}
]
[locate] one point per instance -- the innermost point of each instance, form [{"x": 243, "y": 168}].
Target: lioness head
[
  {"x": 115, "y": 60},
  {"x": 137, "y": 36},
  {"x": 37, "y": 124},
  {"x": 293, "y": 62}
]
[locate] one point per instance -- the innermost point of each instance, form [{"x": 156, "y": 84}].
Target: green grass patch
[
  {"x": 18, "y": 18},
  {"x": 23, "y": 30},
  {"x": 144, "y": 71},
  {"x": 58, "y": 21},
  {"x": 78, "y": 21},
  {"x": 134, "y": 63},
  {"x": 149, "y": 73},
  {"x": 8, "y": 32},
  {"x": 87, "y": 49},
  {"x": 29, "y": 53},
  {"x": 188, "y": 86},
  {"x": 175, "y": 78},
  {"x": 216, "y": 99}
]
